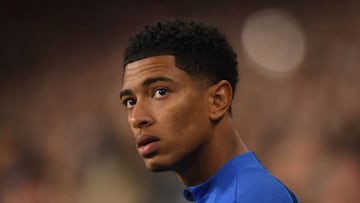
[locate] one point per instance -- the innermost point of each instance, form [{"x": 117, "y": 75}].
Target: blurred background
[{"x": 63, "y": 133}]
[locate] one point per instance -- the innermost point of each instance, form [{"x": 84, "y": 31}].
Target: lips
[{"x": 147, "y": 145}]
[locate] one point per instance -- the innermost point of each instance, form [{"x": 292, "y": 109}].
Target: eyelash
[
  {"x": 164, "y": 90},
  {"x": 132, "y": 100}
]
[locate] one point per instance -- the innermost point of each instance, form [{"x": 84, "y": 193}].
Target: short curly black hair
[{"x": 200, "y": 50}]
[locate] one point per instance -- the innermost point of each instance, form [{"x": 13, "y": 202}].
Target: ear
[{"x": 220, "y": 98}]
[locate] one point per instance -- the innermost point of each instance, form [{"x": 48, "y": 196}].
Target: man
[{"x": 178, "y": 84}]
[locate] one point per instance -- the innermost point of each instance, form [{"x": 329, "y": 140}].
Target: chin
[{"x": 154, "y": 166}]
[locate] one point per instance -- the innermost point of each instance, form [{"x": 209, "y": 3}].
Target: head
[{"x": 179, "y": 80}]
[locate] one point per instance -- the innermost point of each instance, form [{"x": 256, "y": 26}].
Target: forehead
[{"x": 153, "y": 67}]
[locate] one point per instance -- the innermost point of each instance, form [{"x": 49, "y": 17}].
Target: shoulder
[{"x": 261, "y": 187}]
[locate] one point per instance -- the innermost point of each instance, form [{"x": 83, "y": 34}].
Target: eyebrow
[
  {"x": 145, "y": 84},
  {"x": 149, "y": 81}
]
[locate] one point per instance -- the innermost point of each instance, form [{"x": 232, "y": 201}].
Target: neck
[{"x": 223, "y": 145}]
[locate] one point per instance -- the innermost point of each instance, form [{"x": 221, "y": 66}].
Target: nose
[{"x": 140, "y": 116}]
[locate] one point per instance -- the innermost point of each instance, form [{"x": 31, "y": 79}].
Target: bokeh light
[{"x": 274, "y": 40}]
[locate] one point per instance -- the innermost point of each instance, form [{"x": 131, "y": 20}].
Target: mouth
[{"x": 147, "y": 145}]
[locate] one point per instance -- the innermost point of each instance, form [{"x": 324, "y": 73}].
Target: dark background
[{"x": 64, "y": 136}]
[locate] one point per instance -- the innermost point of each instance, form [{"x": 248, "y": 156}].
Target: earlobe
[{"x": 220, "y": 98}]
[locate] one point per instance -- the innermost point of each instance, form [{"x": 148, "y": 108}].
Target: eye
[
  {"x": 129, "y": 103},
  {"x": 160, "y": 92}
]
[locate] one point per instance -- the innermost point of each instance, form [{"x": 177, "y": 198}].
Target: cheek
[{"x": 188, "y": 118}]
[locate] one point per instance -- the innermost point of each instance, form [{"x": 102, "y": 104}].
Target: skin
[{"x": 179, "y": 123}]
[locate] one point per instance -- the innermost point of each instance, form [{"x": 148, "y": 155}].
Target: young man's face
[{"x": 167, "y": 112}]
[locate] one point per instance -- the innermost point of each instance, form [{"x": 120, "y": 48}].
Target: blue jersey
[{"x": 241, "y": 180}]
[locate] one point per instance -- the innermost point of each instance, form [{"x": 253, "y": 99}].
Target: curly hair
[{"x": 200, "y": 50}]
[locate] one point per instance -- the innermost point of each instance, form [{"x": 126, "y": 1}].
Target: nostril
[
  {"x": 142, "y": 124},
  {"x": 139, "y": 123}
]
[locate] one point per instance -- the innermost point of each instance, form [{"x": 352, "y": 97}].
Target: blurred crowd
[{"x": 64, "y": 135}]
